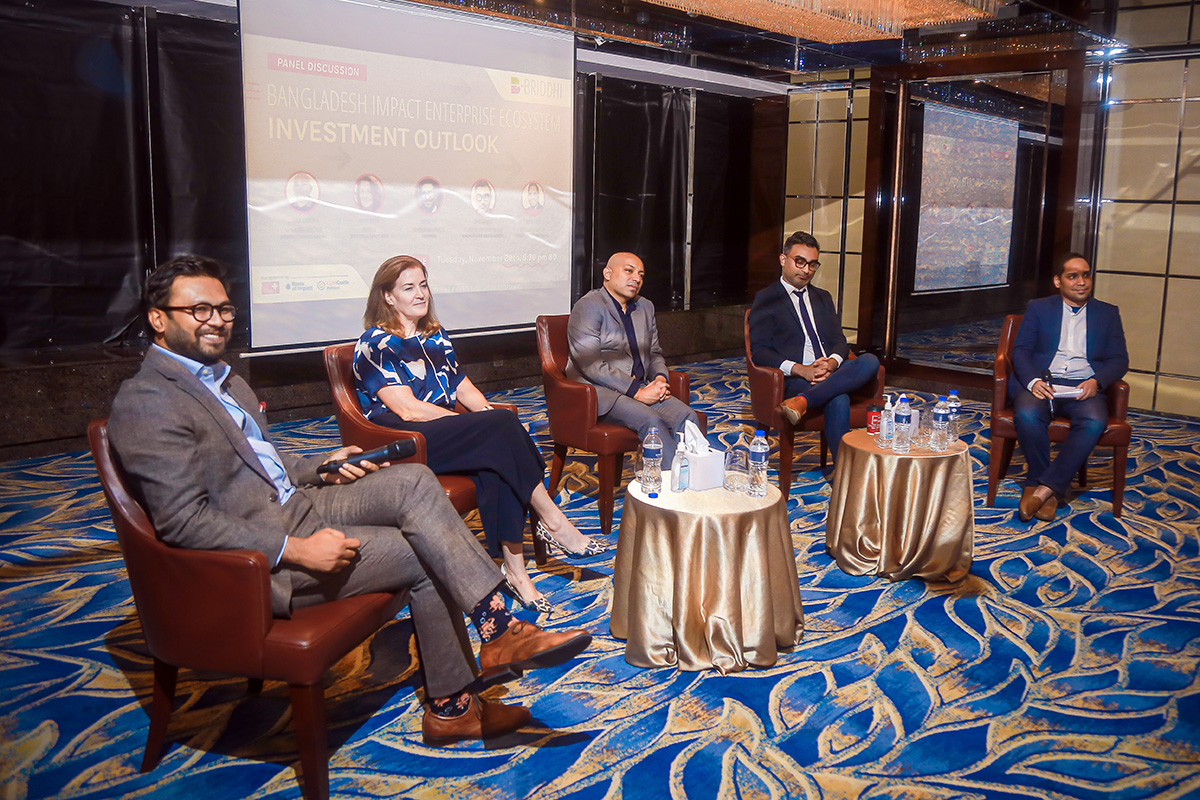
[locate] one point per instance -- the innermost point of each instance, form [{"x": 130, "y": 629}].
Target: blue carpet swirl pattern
[{"x": 1064, "y": 666}]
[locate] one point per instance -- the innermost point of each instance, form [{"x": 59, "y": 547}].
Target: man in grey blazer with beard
[
  {"x": 193, "y": 441},
  {"x": 613, "y": 341}
]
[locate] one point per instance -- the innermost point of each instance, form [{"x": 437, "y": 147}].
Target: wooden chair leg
[
  {"x": 607, "y": 468},
  {"x": 824, "y": 451},
  {"x": 162, "y": 696},
  {"x": 786, "y": 445},
  {"x": 1083, "y": 475},
  {"x": 1006, "y": 452},
  {"x": 556, "y": 467},
  {"x": 254, "y": 685},
  {"x": 539, "y": 547},
  {"x": 308, "y": 719},
  {"x": 1120, "y": 464},
  {"x": 995, "y": 468}
]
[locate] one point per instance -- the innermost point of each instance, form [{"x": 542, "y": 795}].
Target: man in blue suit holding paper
[{"x": 1069, "y": 350}]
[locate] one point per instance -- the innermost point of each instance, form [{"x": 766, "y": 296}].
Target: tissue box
[{"x": 706, "y": 471}]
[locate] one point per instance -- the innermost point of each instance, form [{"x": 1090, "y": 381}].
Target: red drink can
[{"x": 873, "y": 414}]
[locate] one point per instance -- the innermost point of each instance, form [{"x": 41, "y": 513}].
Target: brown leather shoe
[
  {"x": 483, "y": 720},
  {"x": 1029, "y": 505},
  {"x": 1046, "y": 512},
  {"x": 793, "y": 409},
  {"x": 526, "y": 646}
]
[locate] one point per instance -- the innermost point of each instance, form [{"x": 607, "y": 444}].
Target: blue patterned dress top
[{"x": 425, "y": 365}]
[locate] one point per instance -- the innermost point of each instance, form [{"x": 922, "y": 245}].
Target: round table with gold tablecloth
[
  {"x": 705, "y": 580},
  {"x": 901, "y": 516}
]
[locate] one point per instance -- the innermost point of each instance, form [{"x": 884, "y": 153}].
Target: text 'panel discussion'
[{"x": 590, "y": 400}]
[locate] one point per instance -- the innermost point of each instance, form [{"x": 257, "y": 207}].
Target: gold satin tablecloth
[
  {"x": 705, "y": 580},
  {"x": 901, "y": 516}
]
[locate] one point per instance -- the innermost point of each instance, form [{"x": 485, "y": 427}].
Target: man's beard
[{"x": 190, "y": 345}]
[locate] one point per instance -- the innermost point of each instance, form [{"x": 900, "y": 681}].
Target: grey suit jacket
[
  {"x": 196, "y": 473},
  {"x": 600, "y": 353}
]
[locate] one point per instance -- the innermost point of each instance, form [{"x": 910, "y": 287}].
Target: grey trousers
[
  {"x": 412, "y": 538},
  {"x": 668, "y": 416}
]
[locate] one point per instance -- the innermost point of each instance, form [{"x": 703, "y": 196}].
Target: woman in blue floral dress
[{"x": 407, "y": 378}]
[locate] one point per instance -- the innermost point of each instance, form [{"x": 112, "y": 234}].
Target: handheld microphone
[
  {"x": 397, "y": 450},
  {"x": 1047, "y": 378}
]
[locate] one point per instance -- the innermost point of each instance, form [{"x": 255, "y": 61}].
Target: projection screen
[{"x": 376, "y": 129}]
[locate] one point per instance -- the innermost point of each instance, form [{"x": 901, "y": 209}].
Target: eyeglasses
[
  {"x": 202, "y": 312},
  {"x": 802, "y": 262}
]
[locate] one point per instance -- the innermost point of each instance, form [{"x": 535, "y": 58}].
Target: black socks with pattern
[{"x": 491, "y": 616}]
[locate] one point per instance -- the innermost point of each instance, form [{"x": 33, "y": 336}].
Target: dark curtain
[
  {"x": 69, "y": 222},
  {"x": 721, "y": 199},
  {"x": 582, "y": 273},
  {"x": 640, "y": 190},
  {"x": 199, "y": 151}
]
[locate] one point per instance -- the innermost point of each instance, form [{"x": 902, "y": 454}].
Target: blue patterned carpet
[{"x": 1065, "y": 666}]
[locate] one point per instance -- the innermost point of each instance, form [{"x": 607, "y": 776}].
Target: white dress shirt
[
  {"x": 1070, "y": 362},
  {"x": 810, "y": 353}
]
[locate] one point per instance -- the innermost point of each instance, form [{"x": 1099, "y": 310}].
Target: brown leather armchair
[
  {"x": 1004, "y": 430},
  {"x": 356, "y": 429},
  {"x": 766, "y": 393},
  {"x": 571, "y": 409},
  {"x": 210, "y": 610}
]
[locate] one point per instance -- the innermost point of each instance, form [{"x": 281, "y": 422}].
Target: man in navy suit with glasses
[{"x": 794, "y": 327}]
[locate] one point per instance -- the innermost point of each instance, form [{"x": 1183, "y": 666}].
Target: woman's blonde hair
[{"x": 379, "y": 314}]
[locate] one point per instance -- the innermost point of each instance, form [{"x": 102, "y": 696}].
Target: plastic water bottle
[
  {"x": 887, "y": 423},
  {"x": 939, "y": 438},
  {"x": 652, "y": 449},
  {"x": 902, "y": 436},
  {"x": 758, "y": 465},
  {"x": 955, "y": 416},
  {"x": 680, "y": 473}
]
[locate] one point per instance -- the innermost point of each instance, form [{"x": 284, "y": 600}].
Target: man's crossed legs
[{"x": 412, "y": 538}]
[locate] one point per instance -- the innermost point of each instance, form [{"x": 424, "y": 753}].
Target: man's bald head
[{"x": 623, "y": 276}]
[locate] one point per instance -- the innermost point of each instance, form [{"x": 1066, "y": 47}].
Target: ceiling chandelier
[{"x": 835, "y": 21}]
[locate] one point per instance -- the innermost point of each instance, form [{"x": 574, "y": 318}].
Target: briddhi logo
[{"x": 515, "y": 85}]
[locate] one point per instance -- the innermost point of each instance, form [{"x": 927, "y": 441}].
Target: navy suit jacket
[
  {"x": 777, "y": 334},
  {"x": 1037, "y": 342}
]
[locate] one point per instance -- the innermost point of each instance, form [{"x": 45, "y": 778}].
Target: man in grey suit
[
  {"x": 614, "y": 346},
  {"x": 194, "y": 443}
]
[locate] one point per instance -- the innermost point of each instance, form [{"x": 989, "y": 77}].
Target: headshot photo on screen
[
  {"x": 533, "y": 198},
  {"x": 429, "y": 195},
  {"x": 368, "y": 192},
  {"x": 303, "y": 191},
  {"x": 483, "y": 196}
]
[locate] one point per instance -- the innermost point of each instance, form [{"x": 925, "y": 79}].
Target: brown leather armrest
[
  {"x": 1000, "y": 384},
  {"x": 204, "y": 590},
  {"x": 766, "y": 391},
  {"x": 681, "y": 385},
  {"x": 574, "y": 405},
  {"x": 1118, "y": 400}
]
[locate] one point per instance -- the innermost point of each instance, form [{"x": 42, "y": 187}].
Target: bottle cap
[
  {"x": 652, "y": 494},
  {"x": 941, "y": 399},
  {"x": 760, "y": 432}
]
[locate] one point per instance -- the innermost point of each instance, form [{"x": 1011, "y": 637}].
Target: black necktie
[{"x": 818, "y": 351}]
